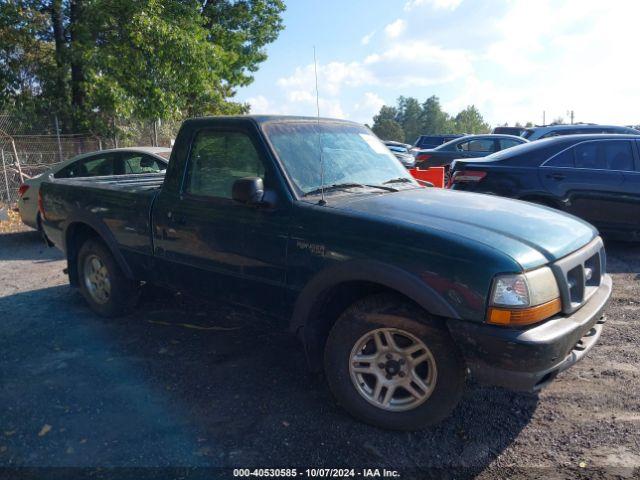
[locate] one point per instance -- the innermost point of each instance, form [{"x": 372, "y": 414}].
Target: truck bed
[{"x": 122, "y": 203}]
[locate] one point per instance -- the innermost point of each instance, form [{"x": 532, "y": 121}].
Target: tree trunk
[
  {"x": 57, "y": 21},
  {"x": 77, "y": 71}
]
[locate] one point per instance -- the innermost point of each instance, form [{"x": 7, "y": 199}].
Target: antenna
[{"x": 315, "y": 71}]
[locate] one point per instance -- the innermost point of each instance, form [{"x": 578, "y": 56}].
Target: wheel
[
  {"x": 390, "y": 364},
  {"x": 103, "y": 284}
]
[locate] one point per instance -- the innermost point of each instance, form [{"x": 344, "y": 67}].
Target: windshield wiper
[
  {"x": 398, "y": 180},
  {"x": 340, "y": 186}
]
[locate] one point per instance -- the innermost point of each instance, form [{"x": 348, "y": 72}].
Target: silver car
[{"x": 117, "y": 161}]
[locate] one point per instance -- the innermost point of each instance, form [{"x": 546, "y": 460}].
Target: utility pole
[
  {"x": 155, "y": 133},
  {"x": 544, "y": 117},
  {"x": 55, "y": 117},
  {"x": 570, "y": 113}
]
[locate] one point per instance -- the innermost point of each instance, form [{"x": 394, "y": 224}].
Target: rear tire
[
  {"x": 104, "y": 286},
  {"x": 420, "y": 371}
]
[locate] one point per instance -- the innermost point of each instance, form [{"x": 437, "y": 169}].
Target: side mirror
[{"x": 248, "y": 190}]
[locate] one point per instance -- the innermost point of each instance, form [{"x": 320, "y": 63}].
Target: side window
[
  {"x": 98, "y": 166},
  {"x": 218, "y": 159},
  {"x": 618, "y": 155},
  {"x": 564, "y": 159},
  {"x": 556, "y": 133},
  {"x": 88, "y": 167},
  {"x": 587, "y": 156},
  {"x": 134, "y": 163},
  {"x": 482, "y": 145},
  {"x": 508, "y": 143}
]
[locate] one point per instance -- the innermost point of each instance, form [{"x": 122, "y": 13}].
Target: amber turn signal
[{"x": 523, "y": 316}]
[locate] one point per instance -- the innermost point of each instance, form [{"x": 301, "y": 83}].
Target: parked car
[
  {"x": 395, "y": 290},
  {"x": 432, "y": 141},
  {"x": 117, "y": 161},
  {"x": 469, "y": 146},
  {"x": 595, "y": 177},
  {"x": 536, "y": 133},
  {"x": 517, "y": 131},
  {"x": 401, "y": 152}
]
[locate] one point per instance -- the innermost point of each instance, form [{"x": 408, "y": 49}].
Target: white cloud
[
  {"x": 331, "y": 77},
  {"x": 401, "y": 65},
  {"x": 575, "y": 56},
  {"x": 367, "y": 107},
  {"x": 558, "y": 56},
  {"x": 259, "y": 104},
  {"x": 367, "y": 38},
  {"x": 395, "y": 28},
  {"x": 418, "y": 63},
  {"x": 435, "y": 4}
]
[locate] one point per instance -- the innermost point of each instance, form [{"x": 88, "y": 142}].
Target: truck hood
[{"x": 530, "y": 234}]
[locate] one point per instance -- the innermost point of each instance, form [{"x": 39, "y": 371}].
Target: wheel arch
[
  {"x": 78, "y": 232},
  {"x": 333, "y": 290}
]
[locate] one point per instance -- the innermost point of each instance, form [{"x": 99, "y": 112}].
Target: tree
[
  {"x": 409, "y": 118},
  {"x": 433, "y": 120},
  {"x": 95, "y": 61},
  {"x": 385, "y": 125},
  {"x": 469, "y": 120}
]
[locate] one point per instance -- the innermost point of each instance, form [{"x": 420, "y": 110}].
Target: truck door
[{"x": 209, "y": 244}]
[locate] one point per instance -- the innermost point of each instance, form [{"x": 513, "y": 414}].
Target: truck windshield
[{"x": 351, "y": 155}]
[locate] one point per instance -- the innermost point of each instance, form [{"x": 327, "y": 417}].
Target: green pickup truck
[{"x": 397, "y": 292}]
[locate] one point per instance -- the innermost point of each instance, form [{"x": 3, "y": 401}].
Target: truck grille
[{"x": 579, "y": 275}]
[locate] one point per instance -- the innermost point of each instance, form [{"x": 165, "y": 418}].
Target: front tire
[
  {"x": 104, "y": 286},
  {"x": 390, "y": 364}
]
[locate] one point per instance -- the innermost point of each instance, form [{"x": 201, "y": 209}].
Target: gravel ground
[{"x": 182, "y": 384}]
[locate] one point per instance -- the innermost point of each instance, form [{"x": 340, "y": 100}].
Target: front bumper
[{"x": 530, "y": 359}]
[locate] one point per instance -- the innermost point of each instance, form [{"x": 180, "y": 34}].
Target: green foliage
[
  {"x": 434, "y": 120},
  {"x": 385, "y": 125},
  {"x": 469, "y": 120},
  {"x": 112, "y": 61},
  {"x": 410, "y": 118},
  {"x": 414, "y": 119}
]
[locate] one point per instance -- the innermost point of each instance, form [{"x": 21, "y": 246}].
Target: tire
[
  {"x": 443, "y": 371},
  {"x": 118, "y": 295}
]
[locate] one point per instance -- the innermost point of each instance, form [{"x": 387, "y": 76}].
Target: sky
[{"x": 511, "y": 59}]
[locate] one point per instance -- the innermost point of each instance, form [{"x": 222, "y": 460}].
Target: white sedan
[{"x": 117, "y": 161}]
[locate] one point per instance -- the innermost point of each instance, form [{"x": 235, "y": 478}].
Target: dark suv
[
  {"x": 547, "y": 131},
  {"x": 596, "y": 177},
  {"x": 432, "y": 141}
]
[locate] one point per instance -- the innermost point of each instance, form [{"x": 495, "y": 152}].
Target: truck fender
[
  {"x": 305, "y": 321},
  {"x": 103, "y": 232}
]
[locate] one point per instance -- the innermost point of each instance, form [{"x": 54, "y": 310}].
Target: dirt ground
[{"x": 182, "y": 384}]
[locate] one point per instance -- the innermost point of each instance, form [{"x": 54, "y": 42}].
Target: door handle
[{"x": 557, "y": 176}]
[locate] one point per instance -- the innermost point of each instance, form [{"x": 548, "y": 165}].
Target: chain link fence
[{"x": 27, "y": 151}]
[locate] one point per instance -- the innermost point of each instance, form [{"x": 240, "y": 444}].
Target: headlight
[
  {"x": 510, "y": 290},
  {"x": 525, "y": 298}
]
